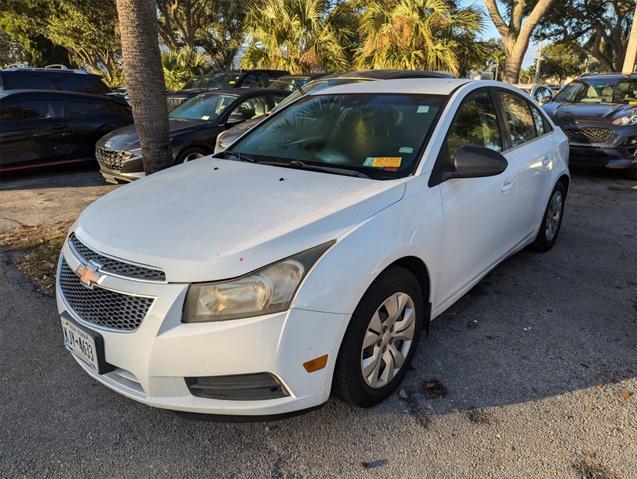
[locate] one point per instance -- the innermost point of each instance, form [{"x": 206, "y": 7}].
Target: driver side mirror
[{"x": 476, "y": 162}]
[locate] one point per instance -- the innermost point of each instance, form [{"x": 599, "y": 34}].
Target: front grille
[
  {"x": 588, "y": 135},
  {"x": 111, "y": 159},
  {"x": 110, "y": 265},
  {"x": 100, "y": 306},
  {"x": 174, "y": 102}
]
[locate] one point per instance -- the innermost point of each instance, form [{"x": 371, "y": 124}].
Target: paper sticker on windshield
[
  {"x": 406, "y": 149},
  {"x": 383, "y": 161},
  {"x": 423, "y": 109}
]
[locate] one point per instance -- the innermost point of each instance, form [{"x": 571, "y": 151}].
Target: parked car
[
  {"x": 42, "y": 128},
  {"x": 223, "y": 80},
  {"x": 226, "y": 138},
  {"x": 194, "y": 126},
  {"x": 598, "y": 113},
  {"x": 309, "y": 258},
  {"x": 58, "y": 78},
  {"x": 293, "y": 82},
  {"x": 540, "y": 93}
]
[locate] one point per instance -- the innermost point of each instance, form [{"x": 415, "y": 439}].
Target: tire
[
  {"x": 551, "y": 224},
  {"x": 190, "y": 154},
  {"x": 396, "y": 285},
  {"x": 631, "y": 174}
]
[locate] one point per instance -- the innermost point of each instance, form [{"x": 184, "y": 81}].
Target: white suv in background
[{"x": 314, "y": 251}]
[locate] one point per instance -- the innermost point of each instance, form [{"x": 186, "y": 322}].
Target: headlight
[
  {"x": 136, "y": 153},
  {"x": 626, "y": 120},
  {"x": 265, "y": 291}
]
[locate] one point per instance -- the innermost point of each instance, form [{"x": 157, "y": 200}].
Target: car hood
[
  {"x": 214, "y": 219},
  {"x": 565, "y": 113},
  {"x": 126, "y": 138}
]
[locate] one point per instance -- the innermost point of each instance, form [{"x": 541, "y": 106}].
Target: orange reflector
[{"x": 315, "y": 364}]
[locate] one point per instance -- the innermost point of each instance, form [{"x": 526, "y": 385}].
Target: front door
[{"x": 476, "y": 210}]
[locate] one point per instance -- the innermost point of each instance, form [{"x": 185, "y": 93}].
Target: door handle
[
  {"x": 508, "y": 186},
  {"x": 546, "y": 161}
]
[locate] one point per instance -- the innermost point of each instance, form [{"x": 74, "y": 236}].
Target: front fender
[{"x": 410, "y": 227}]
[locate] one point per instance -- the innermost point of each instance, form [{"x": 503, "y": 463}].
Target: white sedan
[{"x": 309, "y": 257}]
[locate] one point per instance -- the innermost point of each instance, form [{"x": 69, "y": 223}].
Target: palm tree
[
  {"x": 145, "y": 80},
  {"x": 499, "y": 58},
  {"x": 295, "y": 35},
  {"x": 181, "y": 65},
  {"x": 416, "y": 34}
]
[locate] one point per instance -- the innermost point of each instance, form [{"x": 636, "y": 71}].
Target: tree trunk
[
  {"x": 145, "y": 81},
  {"x": 515, "y": 55}
]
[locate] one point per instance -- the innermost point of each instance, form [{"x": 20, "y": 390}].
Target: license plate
[{"x": 80, "y": 343}]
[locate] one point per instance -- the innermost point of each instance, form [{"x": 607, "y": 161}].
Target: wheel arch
[
  {"x": 566, "y": 181},
  {"x": 418, "y": 268}
]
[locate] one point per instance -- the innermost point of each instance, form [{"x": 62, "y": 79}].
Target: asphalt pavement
[{"x": 529, "y": 375}]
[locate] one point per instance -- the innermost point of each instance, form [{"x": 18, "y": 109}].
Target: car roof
[
  {"x": 609, "y": 75},
  {"x": 62, "y": 93},
  {"x": 45, "y": 71},
  {"x": 387, "y": 74},
  {"x": 242, "y": 91},
  {"x": 432, "y": 86}
]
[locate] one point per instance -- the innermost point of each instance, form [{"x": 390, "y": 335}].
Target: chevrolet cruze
[{"x": 310, "y": 256}]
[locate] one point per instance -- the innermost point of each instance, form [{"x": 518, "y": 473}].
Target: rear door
[
  {"x": 34, "y": 131},
  {"x": 476, "y": 210},
  {"x": 528, "y": 151},
  {"x": 87, "y": 119}
]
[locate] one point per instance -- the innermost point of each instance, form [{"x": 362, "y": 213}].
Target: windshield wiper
[
  {"x": 328, "y": 169},
  {"x": 240, "y": 156}
]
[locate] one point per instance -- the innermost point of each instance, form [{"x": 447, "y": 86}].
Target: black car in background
[
  {"x": 52, "y": 79},
  {"x": 223, "y": 80},
  {"x": 293, "y": 82},
  {"x": 598, "y": 113},
  {"x": 41, "y": 128},
  {"x": 194, "y": 126}
]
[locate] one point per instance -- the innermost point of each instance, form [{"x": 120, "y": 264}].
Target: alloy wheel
[
  {"x": 388, "y": 339},
  {"x": 553, "y": 215},
  {"x": 193, "y": 156}
]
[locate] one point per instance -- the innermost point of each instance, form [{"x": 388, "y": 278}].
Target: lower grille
[
  {"x": 174, "y": 102},
  {"x": 588, "y": 135},
  {"x": 111, "y": 159},
  {"x": 100, "y": 306}
]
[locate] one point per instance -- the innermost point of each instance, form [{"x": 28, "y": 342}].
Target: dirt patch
[{"x": 35, "y": 251}]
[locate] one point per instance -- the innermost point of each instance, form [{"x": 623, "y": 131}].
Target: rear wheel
[
  {"x": 190, "y": 154},
  {"x": 552, "y": 221},
  {"x": 381, "y": 339}
]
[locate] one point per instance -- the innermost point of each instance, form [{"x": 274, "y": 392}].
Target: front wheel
[
  {"x": 552, "y": 221},
  {"x": 190, "y": 154},
  {"x": 381, "y": 339}
]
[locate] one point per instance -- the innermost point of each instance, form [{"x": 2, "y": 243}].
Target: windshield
[
  {"x": 202, "y": 107},
  {"x": 379, "y": 135},
  {"x": 313, "y": 87},
  {"x": 599, "y": 90}
]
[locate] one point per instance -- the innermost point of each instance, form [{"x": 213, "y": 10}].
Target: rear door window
[
  {"x": 77, "y": 109},
  {"x": 35, "y": 109},
  {"x": 518, "y": 117}
]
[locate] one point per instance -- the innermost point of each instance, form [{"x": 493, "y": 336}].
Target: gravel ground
[{"x": 532, "y": 373}]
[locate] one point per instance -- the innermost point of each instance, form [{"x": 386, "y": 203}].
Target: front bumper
[
  {"x": 150, "y": 364},
  {"x": 117, "y": 176},
  {"x": 618, "y": 152}
]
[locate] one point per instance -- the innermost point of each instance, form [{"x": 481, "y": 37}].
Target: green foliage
[
  {"x": 418, "y": 34},
  {"x": 595, "y": 28},
  {"x": 180, "y": 66},
  {"x": 88, "y": 31},
  {"x": 561, "y": 62},
  {"x": 297, "y": 35},
  {"x": 213, "y": 25}
]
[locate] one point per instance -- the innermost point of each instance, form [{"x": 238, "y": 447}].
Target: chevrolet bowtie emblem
[{"x": 88, "y": 275}]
